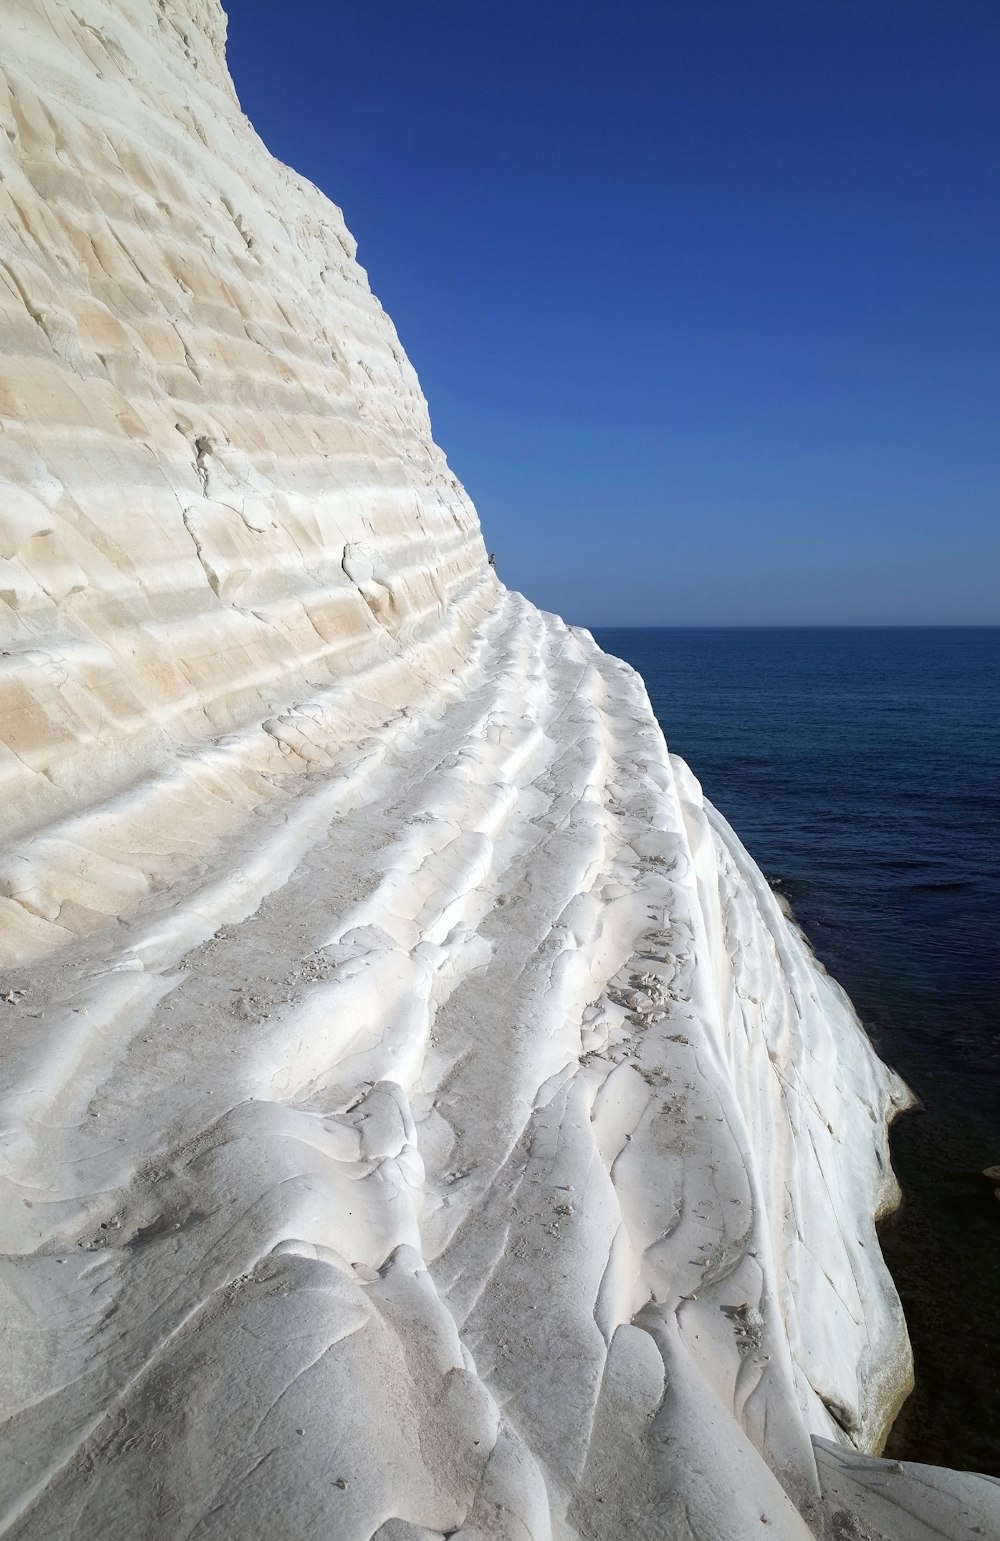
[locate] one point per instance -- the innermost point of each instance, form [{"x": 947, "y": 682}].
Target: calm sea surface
[{"x": 861, "y": 768}]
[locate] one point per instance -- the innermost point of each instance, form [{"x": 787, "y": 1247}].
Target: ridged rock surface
[
  {"x": 419, "y": 1118},
  {"x": 219, "y": 488}
]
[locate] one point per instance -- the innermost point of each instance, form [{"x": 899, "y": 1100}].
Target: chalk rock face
[
  {"x": 419, "y": 1117},
  {"x": 217, "y": 479}
]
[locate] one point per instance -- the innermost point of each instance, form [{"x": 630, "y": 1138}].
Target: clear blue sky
[{"x": 704, "y": 296}]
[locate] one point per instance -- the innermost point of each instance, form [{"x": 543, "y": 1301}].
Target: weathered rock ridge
[
  {"x": 218, "y": 479},
  {"x": 419, "y": 1118}
]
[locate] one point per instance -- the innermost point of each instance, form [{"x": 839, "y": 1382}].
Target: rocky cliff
[{"x": 419, "y": 1118}]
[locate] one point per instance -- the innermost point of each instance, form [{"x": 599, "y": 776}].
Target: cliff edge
[{"x": 419, "y": 1117}]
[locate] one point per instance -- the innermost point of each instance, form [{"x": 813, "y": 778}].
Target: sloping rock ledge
[{"x": 419, "y": 1118}]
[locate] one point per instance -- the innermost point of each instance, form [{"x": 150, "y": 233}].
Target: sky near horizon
[{"x": 704, "y": 296}]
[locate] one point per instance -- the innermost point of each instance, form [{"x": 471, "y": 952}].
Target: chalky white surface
[{"x": 418, "y": 1117}]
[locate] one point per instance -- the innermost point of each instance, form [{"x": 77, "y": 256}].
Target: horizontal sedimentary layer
[
  {"x": 218, "y": 486},
  {"x": 419, "y": 1118},
  {"x": 477, "y": 1149}
]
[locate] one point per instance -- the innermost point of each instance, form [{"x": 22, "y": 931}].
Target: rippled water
[{"x": 861, "y": 767}]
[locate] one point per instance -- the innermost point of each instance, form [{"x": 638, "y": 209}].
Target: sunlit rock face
[
  {"x": 219, "y": 486},
  {"x": 419, "y": 1118}
]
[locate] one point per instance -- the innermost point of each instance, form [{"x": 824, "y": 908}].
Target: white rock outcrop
[{"x": 419, "y": 1117}]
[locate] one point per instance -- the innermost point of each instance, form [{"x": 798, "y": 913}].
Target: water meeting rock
[{"x": 420, "y": 1117}]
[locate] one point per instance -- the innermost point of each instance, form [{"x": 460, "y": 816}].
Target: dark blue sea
[{"x": 861, "y": 768}]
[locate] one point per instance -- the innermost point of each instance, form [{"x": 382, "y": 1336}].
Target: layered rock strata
[
  {"x": 219, "y": 487},
  {"x": 419, "y": 1117}
]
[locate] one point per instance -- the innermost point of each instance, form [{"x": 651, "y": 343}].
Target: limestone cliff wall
[
  {"x": 417, "y": 1116},
  {"x": 217, "y": 478}
]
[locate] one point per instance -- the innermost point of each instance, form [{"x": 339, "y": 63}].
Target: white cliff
[{"x": 419, "y": 1117}]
